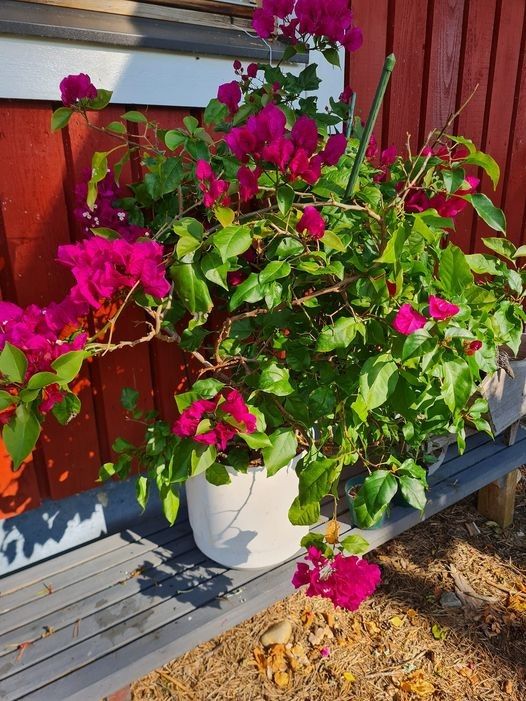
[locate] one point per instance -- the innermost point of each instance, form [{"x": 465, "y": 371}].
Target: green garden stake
[
  {"x": 350, "y": 122},
  {"x": 371, "y": 120}
]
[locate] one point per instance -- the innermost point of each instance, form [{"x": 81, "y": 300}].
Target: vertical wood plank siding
[
  {"x": 444, "y": 48},
  {"x": 37, "y": 180}
]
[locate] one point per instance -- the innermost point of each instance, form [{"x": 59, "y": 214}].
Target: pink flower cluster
[
  {"x": 214, "y": 189},
  {"x": 38, "y": 333},
  {"x": 446, "y": 206},
  {"x": 103, "y": 267},
  {"x": 298, "y": 20},
  {"x": 265, "y": 138},
  {"x": 104, "y": 213},
  {"x": 346, "y": 581},
  {"x": 408, "y": 320},
  {"x": 230, "y": 95},
  {"x": 228, "y": 415},
  {"x": 311, "y": 222},
  {"x": 74, "y": 88}
]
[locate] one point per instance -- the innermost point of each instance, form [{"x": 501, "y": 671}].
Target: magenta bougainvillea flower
[
  {"x": 471, "y": 347},
  {"x": 418, "y": 201},
  {"x": 235, "y": 278},
  {"x": 105, "y": 213},
  {"x": 312, "y": 222},
  {"x": 103, "y": 267},
  {"x": 214, "y": 189},
  {"x": 230, "y": 95},
  {"x": 228, "y": 415},
  {"x": 37, "y": 335},
  {"x": 298, "y": 20},
  {"x": 408, "y": 320},
  {"x": 334, "y": 149},
  {"x": 76, "y": 87},
  {"x": 346, "y": 581},
  {"x": 248, "y": 183},
  {"x": 441, "y": 309}
]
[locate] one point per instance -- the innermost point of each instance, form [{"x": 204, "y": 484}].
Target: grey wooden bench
[{"x": 83, "y": 624}]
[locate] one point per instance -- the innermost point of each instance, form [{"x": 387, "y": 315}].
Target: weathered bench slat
[
  {"x": 121, "y": 642},
  {"x": 75, "y": 557},
  {"x": 126, "y": 556},
  {"x": 108, "y": 594}
]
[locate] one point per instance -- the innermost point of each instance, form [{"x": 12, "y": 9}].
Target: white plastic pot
[{"x": 244, "y": 524}]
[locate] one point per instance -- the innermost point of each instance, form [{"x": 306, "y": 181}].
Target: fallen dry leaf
[
  {"x": 396, "y": 622},
  {"x": 281, "y": 679},
  {"x": 416, "y": 683},
  {"x": 517, "y": 603},
  {"x": 332, "y": 532},
  {"x": 349, "y": 677},
  {"x": 508, "y": 687}
]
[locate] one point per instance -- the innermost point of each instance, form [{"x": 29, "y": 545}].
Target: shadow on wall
[{"x": 57, "y": 526}]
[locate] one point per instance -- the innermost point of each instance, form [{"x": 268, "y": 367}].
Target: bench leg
[
  {"x": 497, "y": 501},
  {"x": 123, "y": 694}
]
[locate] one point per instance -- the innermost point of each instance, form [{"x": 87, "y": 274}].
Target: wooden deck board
[{"x": 182, "y": 600}]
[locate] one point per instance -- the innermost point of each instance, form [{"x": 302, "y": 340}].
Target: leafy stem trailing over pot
[{"x": 334, "y": 320}]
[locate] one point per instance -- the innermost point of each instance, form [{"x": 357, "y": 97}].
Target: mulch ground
[{"x": 403, "y": 644}]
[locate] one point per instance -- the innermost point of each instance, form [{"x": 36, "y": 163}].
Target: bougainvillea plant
[{"x": 336, "y": 321}]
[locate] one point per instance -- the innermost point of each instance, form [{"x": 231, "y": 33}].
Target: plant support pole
[{"x": 389, "y": 64}]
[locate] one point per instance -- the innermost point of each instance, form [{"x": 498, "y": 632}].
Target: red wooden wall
[
  {"x": 443, "y": 49},
  {"x": 37, "y": 178}
]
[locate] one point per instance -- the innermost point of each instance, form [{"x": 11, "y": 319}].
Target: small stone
[
  {"x": 449, "y": 600},
  {"x": 277, "y": 634}
]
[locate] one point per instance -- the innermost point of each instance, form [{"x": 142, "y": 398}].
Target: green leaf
[
  {"x": 60, "y": 118},
  {"x": 214, "y": 270},
  {"x": 304, "y": 514},
  {"x": 285, "y": 197},
  {"x": 255, "y": 440},
  {"x": 365, "y": 518},
  {"x": 224, "y": 215},
  {"x": 106, "y": 471},
  {"x": 457, "y": 384},
  {"x": 13, "y": 363},
  {"x": 282, "y": 449},
  {"x": 453, "y": 179},
  {"x": 215, "y": 112},
  {"x": 232, "y": 241},
  {"x": 141, "y": 491},
  {"x": 393, "y": 249},
  {"x": 218, "y": 475},
  {"x": 487, "y": 163},
  {"x": 20, "y": 434},
  {"x": 169, "y": 495},
  {"x": 191, "y": 288},
  {"x": 105, "y": 233},
  {"x": 101, "y": 101},
  {"x": 134, "y": 116},
  {"x": 378, "y": 380},
  {"x": 7, "y": 399},
  {"x": 355, "y": 545},
  {"x": 483, "y": 265},
  {"x": 250, "y": 290},
  {"x": 42, "y": 379},
  {"x": 502, "y": 246},
  {"x": 378, "y": 490},
  {"x": 68, "y": 366},
  {"x": 99, "y": 170},
  {"x": 332, "y": 56},
  {"x": 413, "y": 492},
  {"x": 275, "y": 270},
  {"x": 340, "y": 335},
  {"x": 67, "y": 409},
  {"x": 520, "y": 252},
  {"x": 116, "y": 128},
  {"x": 332, "y": 240},
  {"x": 186, "y": 245},
  {"x": 174, "y": 138},
  {"x": 275, "y": 380},
  {"x": 315, "y": 480},
  {"x": 414, "y": 342},
  {"x": 129, "y": 398},
  {"x": 493, "y": 216},
  {"x": 202, "y": 457},
  {"x": 191, "y": 123},
  {"x": 454, "y": 270}
]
